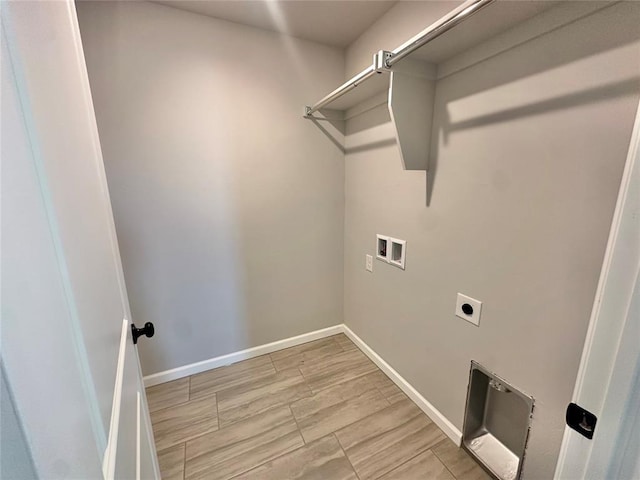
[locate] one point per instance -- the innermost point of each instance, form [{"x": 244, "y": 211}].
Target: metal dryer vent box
[{"x": 496, "y": 423}]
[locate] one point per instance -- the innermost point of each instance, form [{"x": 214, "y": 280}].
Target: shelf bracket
[{"x": 411, "y": 101}]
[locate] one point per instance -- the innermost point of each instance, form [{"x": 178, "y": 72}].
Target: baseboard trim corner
[
  {"x": 432, "y": 412},
  {"x": 221, "y": 361}
]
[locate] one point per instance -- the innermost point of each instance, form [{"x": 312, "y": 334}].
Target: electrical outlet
[
  {"x": 369, "y": 263},
  {"x": 468, "y": 309}
]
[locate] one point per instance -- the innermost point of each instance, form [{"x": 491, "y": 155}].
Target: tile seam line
[
  {"x": 414, "y": 456},
  {"x": 184, "y": 460},
  {"x": 345, "y": 454},
  {"x": 272, "y": 407},
  {"x": 272, "y": 459},
  {"x": 297, "y": 425},
  {"x": 387, "y": 431},
  {"x": 184, "y": 403},
  {"x": 340, "y": 383},
  {"x": 344, "y": 401},
  {"x": 249, "y": 382},
  {"x": 441, "y": 460},
  {"x": 239, "y": 441},
  {"x": 356, "y": 421},
  {"x": 417, "y": 455}
]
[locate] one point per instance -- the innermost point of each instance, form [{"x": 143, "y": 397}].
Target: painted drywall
[
  {"x": 528, "y": 147},
  {"x": 15, "y": 457},
  {"x": 401, "y": 22},
  {"x": 228, "y": 205}
]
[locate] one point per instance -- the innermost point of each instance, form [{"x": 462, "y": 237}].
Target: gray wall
[
  {"x": 15, "y": 456},
  {"x": 527, "y": 154},
  {"x": 229, "y": 207},
  {"x": 399, "y": 24}
]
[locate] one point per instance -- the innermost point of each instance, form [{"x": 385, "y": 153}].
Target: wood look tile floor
[{"x": 319, "y": 411}]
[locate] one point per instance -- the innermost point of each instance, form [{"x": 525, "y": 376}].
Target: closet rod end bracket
[{"x": 380, "y": 61}]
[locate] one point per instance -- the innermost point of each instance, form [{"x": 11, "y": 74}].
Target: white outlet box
[
  {"x": 391, "y": 250},
  {"x": 369, "y": 263},
  {"x": 397, "y": 252},
  {"x": 468, "y": 309}
]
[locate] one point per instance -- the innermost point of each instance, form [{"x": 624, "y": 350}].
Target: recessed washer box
[{"x": 391, "y": 250}]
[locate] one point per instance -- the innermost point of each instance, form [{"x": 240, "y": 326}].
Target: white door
[
  {"x": 608, "y": 383},
  {"x": 70, "y": 364}
]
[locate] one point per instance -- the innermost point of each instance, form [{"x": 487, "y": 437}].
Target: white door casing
[
  {"x": 63, "y": 291},
  {"x": 40, "y": 356},
  {"x": 611, "y": 360}
]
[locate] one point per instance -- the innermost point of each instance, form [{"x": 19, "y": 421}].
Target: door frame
[
  {"x": 604, "y": 354},
  {"x": 26, "y": 50}
]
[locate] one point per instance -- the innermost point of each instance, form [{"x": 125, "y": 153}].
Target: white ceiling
[{"x": 332, "y": 22}]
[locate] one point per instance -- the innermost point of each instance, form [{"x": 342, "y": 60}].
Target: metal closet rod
[
  {"x": 437, "y": 29},
  {"x": 442, "y": 26},
  {"x": 341, "y": 90}
]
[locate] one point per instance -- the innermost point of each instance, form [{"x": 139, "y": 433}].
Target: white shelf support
[{"x": 411, "y": 107}]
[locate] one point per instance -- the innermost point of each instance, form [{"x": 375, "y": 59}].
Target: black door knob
[{"x": 148, "y": 330}]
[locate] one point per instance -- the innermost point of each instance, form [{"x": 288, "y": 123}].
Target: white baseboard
[
  {"x": 198, "y": 367},
  {"x": 438, "y": 418},
  {"x": 432, "y": 412}
]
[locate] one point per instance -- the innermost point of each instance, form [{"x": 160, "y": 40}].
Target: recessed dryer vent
[{"x": 496, "y": 423}]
